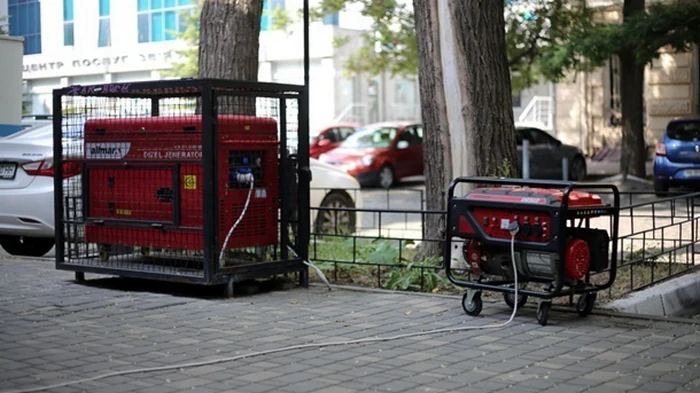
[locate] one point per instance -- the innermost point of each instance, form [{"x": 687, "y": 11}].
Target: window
[
  {"x": 160, "y": 20},
  {"x": 412, "y": 135},
  {"x": 105, "y": 33},
  {"x": 613, "y": 107},
  {"x": 25, "y": 21},
  {"x": 268, "y": 7},
  {"x": 345, "y": 132},
  {"x": 331, "y": 19},
  {"x": 68, "y": 31},
  {"x": 537, "y": 137}
]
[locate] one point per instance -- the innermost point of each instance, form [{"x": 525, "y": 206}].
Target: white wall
[{"x": 11, "y": 50}]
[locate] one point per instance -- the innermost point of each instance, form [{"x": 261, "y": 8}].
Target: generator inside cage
[
  {"x": 144, "y": 177},
  {"x": 202, "y": 181},
  {"x": 533, "y": 231}
]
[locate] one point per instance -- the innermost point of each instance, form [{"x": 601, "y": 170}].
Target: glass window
[
  {"x": 104, "y": 7},
  {"x": 25, "y": 21},
  {"x": 371, "y": 138},
  {"x": 331, "y": 19},
  {"x": 105, "y": 36},
  {"x": 68, "y": 33},
  {"x": 160, "y": 20},
  {"x": 143, "y": 28},
  {"x": 105, "y": 32}
]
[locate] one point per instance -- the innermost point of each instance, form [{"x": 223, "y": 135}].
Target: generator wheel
[
  {"x": 509, "y": 297},
  {"x": 145, "y": 251},
  {"x": 104, "y": 255},
  {"x": 474, "y": 307},
  {"x": 585, "y": 304},
  {"x": 543, "y": 313}
]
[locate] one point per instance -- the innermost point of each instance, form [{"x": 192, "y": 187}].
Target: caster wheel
[
  {"x": 474, "y": 307},
  {"x": 509, "y": 297},
  {"x": 585, "y": 304},
  {"x": 145, "y": 251},
  {"x": 79, "y": 276},
  {"x": 104, "y": 256},
  {"x": 543, "y": 313}
]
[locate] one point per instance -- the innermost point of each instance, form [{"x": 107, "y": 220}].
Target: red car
[
  {"x": 330, "y": 138},
  {"x": 381, "y": 154}
]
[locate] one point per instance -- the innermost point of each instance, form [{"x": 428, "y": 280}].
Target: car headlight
[{"x": 367, "y": 160}]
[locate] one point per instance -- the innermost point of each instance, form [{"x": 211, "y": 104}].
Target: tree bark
[
  {"x": 436, "y": 140},
  {"x": 465, "y": 96},
  {"x": 634, "y": 151},
  {"x": 228, "y": 45}
]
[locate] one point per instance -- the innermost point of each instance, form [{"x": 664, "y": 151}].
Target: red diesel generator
[
  {"x": 143, "y": 182},
  {"x": 544, "y": 226}
]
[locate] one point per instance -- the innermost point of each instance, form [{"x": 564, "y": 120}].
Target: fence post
[
  {"x": 565, "y": 168},
  {"x": 526, "y": 159}
]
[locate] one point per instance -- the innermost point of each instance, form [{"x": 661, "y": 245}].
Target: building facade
[
  {"x": 69, "y": 42},
  {"x": 588, "y": 111}
]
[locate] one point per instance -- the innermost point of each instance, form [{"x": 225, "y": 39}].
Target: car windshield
[
  {"x": 684, "y": 131},
  {"x": 374, "y": 137}
]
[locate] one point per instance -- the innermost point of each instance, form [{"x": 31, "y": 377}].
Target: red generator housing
[
  {"x": 530, "y": 232},
  {"x": 143, "y": 181}
]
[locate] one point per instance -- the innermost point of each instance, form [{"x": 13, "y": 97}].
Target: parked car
[
  {"x": 330, "y": 138},
  {"x": 546, "y": 154},
  {"x": 380, "y": 154},
  {"x": 27, "y": 204},
  {"x": 677, "y": 161}
]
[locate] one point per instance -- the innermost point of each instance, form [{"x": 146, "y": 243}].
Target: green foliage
[
  {"x": 413, "y": 274},
  {"x": 4, "y": 28},
  {"x": 187, "y": 66},
  {"x": 531, "y": 25},
  {"x": 588, "y": 45},
  {"x": 390, "y": 43},
  {"x": 280, "y": 19}
]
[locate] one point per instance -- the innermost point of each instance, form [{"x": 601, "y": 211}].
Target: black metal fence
[{"x": 658, "y": 239}]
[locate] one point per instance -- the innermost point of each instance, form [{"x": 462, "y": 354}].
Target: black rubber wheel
[
  {"x": 473, "y": 308},
  {"x": 508, "y": 297},
  {"x": 660, "y": 188},
  {"x": 27, "y": 246},
  {"x": 543, "y": 313},
  {"x": 80, "y": 276},
  {"x": 585, "y": 304},
  {"x": 577, "y": 170},
  {"x": 386, "y": 177},
  {"x": 341, "y": 222}
]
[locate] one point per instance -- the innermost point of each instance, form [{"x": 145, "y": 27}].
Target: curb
[{"x": 676, "y": 298}]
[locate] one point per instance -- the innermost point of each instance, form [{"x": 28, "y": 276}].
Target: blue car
[{"x": 677, "y": 161}]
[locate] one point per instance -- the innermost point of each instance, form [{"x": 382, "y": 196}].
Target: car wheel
[
  {"x": 577, "y": 172},
  {"x": 28, "y": 246},
  {"x": 386, "y": 177},
  {"x": 660, "y": 188},
  {"x": 336, "y": 221}
]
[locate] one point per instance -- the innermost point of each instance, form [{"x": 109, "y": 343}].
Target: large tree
[
  {"x": 465, "y": 95},
  {"x": 229, "y": 39}
]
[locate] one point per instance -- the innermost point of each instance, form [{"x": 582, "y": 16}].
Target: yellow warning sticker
[
  {"x": 190, "y": 182},
  {"x": 246, "y": 128},
  {"x": 124, "y": 212}
]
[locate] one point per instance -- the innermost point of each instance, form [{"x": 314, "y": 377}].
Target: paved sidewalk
[{"x": 54, "y": 330}]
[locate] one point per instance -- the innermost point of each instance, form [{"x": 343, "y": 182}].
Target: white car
[{"x": 27, "y": 201}]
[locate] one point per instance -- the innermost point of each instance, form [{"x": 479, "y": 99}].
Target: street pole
[{"x": 306, "y": 51}]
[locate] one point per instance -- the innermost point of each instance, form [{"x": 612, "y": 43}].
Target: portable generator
[
  {"x": 539, "y": 231},
  {"x": 143, "y": 183}
]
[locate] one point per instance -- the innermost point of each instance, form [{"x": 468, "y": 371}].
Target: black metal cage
[{"x": 203, "y": 181}]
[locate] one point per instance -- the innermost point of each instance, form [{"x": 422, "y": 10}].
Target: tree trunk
[
  {"x": 634, "y": 151},
  {"x": 465, "y": 97},
  {"x": 228, "y": 45}
]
